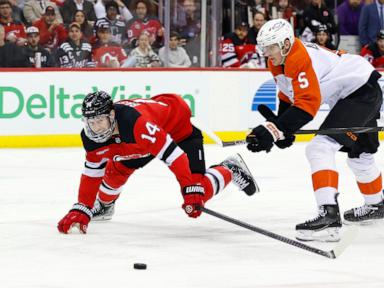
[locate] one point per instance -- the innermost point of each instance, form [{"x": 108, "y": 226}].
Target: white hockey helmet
[{"x": 275, "y": 31}]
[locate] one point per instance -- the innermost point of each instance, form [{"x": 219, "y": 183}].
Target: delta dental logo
[
  {"x": 266, "y": 94},
  {"x": 54, "y": 102}
]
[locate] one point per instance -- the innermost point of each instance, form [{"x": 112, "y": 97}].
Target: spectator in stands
[
  {"x": 116, "y": 23},
  {"x": 29, "y": 56},
  {"x": 176, "y": 56},
  {"x": 348, "y": 14},
  {"x": 286, "y": 11},
  {"x": 316, "y": 14},
  {"x": 108, "y": 54},
  {"x": 9, "y": 52},
  {"x": 188, "y": 21},
  {"x": 75, "y": 52},
  {"x": 71, "y": 6},
  {"x": 52, "y": 32},
  {"x": 236, "y": 51},
  {"x": 323, "y": 38},
  {"x": 14, "y": 30},
  {"x": 300, "y": 5},
  {"x": 124, "y": 12},
  {"x": 374, "y": 52},
  {"x": 258, "y": 20},
  {"x": 35, "y": 9},
  {"x": 371, "y": 21},
  {"x": 143, "y": 54},
  {"x": 86, "y": 27},
  {"x": 142, "y": 21},
  {"x": 17, "y": 12}
]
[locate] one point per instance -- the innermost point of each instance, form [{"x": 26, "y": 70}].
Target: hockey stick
[
  {"x": 348, "y": 236},
  {"x": 329, "y": 131}
]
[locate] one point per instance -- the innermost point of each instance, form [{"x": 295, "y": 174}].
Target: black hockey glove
[
  {"x": 268, "y": 114},
  {"x": 260, "y": 139}
]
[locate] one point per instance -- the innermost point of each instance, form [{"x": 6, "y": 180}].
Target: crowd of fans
[
  {"x": 81, "y": 33},
  {"x": 126, "y": 33},
  {"x": 313, "y": 21}
]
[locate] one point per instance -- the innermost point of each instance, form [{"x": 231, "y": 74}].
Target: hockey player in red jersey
[
  {"x": 374, "y": 52},
  {"x": 237, "y": 51},
  {"x": 122, "y": 137},
  {"x": 307, "y": 76}
]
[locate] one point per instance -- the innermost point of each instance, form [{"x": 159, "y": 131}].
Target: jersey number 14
[{"x": 152, "y": 129}]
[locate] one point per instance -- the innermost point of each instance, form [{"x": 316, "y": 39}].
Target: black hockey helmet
[{"x": 96, "y": 103}]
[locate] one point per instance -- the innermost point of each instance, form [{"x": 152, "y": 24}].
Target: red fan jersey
[
  {"x": 103, "y": 54},
  {"x": 147, "y": 128},
  {"x": 16, "y": 28},
  {"x": 136, "y": 26},
  {"x": 372, "y": 53}
]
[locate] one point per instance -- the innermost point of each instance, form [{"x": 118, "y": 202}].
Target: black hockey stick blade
[{"x": 348, "y": 236}]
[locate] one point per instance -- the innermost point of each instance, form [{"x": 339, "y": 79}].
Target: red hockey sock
[{"x": 106, "y": 198}]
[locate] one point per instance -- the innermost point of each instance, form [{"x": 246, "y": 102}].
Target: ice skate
[
  {"x": 325, "y": 227},
  {"x": 102, "y": 211},
  {"x": 242, "y": 176},
  {"x": 365, "y": 214}
]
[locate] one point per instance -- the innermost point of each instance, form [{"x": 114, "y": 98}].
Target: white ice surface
[{"x": 38, "y": 187}]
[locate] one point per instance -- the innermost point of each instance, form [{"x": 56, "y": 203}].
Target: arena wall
[{"x": 42, "y": 108}]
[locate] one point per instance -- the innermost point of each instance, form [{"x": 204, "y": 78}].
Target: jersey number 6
[{"x": 303, "y": 80}]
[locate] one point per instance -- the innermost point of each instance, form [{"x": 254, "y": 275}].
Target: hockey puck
[{"x": 140, "y": 266}]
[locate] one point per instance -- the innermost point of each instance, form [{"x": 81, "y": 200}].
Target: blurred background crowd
[{"x": 177, "y": 33}]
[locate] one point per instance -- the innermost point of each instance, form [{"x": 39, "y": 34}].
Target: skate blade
[
  {"x": 101, "y": 218},
  {"x": 324, "y": 235},
  {"x": 365, "y": 222}
]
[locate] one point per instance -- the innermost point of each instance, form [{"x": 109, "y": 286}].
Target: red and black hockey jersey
[
  {"x": 372, "y": 53},
  {"x": 104, "y": 54},
  {"x": 235, "y": 52},
  {"x": 147, "y": 128},
  {"x": 150, "y": 25}
]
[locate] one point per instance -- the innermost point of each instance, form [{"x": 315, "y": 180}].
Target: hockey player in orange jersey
[
  {"x": 121, "y": 137},
  {"x": 307, "y": 76}
]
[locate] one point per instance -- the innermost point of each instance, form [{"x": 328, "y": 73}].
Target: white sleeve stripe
[
  {"x": 94, "y": 172},
  {"x": 94, "y": 165},
  {"x": 164, "y": 148},
  {"x": 174, "y": 155},
  {"x": 93, "y": 169},
  {"x": 230, "y": 62},
  {"x": 218, "y": 175}
]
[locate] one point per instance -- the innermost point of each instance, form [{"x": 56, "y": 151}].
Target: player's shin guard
[
  {"x": 215, "y": 180},
  {"x": 110, "y": 188},
  {"x": 369, "y": 180},
  {"x": 325, "y": 227}
]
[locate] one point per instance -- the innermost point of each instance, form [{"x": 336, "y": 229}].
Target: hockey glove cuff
[
  {"x": 193, "y": 199},
  {"x": 262, "y": 137},
  {"x": 79, "y": 216}
]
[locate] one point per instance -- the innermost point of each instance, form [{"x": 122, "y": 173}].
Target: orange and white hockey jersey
[{"x": 313, "y": 75}]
